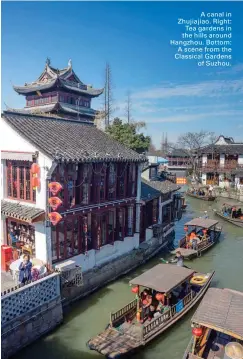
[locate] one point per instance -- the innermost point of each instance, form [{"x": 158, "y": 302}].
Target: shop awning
[
  {"x": 17, "y": 156},
  {"x": 22, "y": 212}
]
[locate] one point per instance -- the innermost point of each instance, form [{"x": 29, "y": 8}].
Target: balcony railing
[{"x": 216, "y": 166}]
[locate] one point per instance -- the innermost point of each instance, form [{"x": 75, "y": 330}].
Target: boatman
[{"x": 179, "y": 259}]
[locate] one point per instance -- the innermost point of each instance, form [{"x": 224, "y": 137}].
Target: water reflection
[{"x": 90, "y": 316}]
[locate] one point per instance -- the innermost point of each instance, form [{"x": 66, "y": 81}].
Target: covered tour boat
[
  {"x": 206, "y": 197},
  {"x": 201, "y": 234},
  {"x": 232, "y": 213},
  {"x": 217, "y": 326},
  {"x": 163, "y": 295}
]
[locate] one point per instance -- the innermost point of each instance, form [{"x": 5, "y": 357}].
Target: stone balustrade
[{"x": 29, "y": 297}]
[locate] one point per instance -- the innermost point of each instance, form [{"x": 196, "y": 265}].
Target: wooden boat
[
  {"x": 208, "y": 229},
  {"x": 217, "y": 326},
  {"x": 126, "y": 333},
  {"x": 203, "y": 198},
  {"x": 228, "y": 217}
]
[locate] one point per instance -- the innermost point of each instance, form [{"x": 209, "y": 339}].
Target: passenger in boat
[
  {"x": 153, "y": 307},
  {"x": 146, "y": 298},
  {"x": 183, "y": 291},
  {"x": 239, "y": 213}
]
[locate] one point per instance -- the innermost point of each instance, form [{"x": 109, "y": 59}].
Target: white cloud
[
  {"x": 192, "y": 117},
  {"x": 231, "y": 71},
  {"x": 215, "y": 88}
]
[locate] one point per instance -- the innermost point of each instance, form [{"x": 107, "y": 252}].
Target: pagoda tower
[{"x": 59, "y": 92}]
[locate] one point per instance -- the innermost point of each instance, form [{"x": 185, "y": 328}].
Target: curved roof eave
[
  {"x": 34, "y": 87},
  {"x": 91, "y": 92}
]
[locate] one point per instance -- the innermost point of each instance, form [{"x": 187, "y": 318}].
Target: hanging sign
[
  {"x": 54, "y": 217},
  {"x": 55, "y": 187},
  {"x": 54, "y": 202}
]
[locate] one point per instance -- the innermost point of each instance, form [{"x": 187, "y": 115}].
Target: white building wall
[
  {"x": 104, "y": 254},
  {"x": 204, "y": 178},
  {"x": 222, "y": 160},
  {"x": 145, "y": 174},
  {"x": 204, "y": 159},
  {"x": 12, "y": 141},
  {"x": 240, "y": 159}
]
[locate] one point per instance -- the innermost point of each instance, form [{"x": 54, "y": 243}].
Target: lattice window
[
  {"x": 155, "y": 210},
  {"x": 130, "y": 221},
  {"x": 15, "y": 181},
  {"x": 112, "y": 181},
  {"x": 86, "y": 184},
  {"x": 32, "y": 296},
  {"x": 19, "y": 181},
  {"x": 9, "y": 180},
  {"x": 72, "y": 278}
]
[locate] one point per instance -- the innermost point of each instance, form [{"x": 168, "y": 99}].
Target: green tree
[{"x": 128, "y": 134}]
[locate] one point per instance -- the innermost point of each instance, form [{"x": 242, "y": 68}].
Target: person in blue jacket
[{"x": 25, "y": 270}]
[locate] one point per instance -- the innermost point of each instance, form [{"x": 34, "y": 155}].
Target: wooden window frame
[{"x": 10, "y": 165}]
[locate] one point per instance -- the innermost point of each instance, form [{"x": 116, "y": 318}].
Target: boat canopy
[
  {"x": 233, "y": 204},
  {"x": 221, "y": 310},
  {"x": 163, "y": 277},
  {"x": 202, "y": 222}
]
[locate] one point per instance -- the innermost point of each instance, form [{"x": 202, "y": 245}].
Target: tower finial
[
  {"x": 70, "y": 63},
  {"x": 48, "y": 61}
]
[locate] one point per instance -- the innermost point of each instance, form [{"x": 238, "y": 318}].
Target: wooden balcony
[{"x": 216, "y": 166}]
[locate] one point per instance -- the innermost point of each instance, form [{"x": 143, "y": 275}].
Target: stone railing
[{"x": 31, "y": 296}]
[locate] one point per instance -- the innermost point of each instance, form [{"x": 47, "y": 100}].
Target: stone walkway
[{"x": 7, "y": 281}]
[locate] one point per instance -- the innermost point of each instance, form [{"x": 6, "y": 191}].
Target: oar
[{"x": 163, "y": 260}]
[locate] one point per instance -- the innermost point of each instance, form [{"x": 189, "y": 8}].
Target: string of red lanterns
[
  {"x": 35, "y": 180},
  {"x": 55, "y": 202}
]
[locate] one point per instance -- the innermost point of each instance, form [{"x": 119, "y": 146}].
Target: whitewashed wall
[
  {"x": 145, "y": 174},
  {"x": 222, "y": 160},
  {"x": 103, "y": 255},
  {"x": 240, "y": 159},
  {"x": 204, "y": 159},
  {"x": 204, "y": 178},
  {"x": 12, "y": 141}
]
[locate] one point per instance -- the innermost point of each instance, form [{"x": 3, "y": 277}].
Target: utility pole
[
  {"x": 128, "y": 107},
  {"x": 108, "y": 95}
]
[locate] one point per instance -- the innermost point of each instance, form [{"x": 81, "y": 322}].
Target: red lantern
[
  {"x": 35, "y": 169},
  {"x": 159, "y": 297},
  {"x": 54, "y": 202},
  {"x": 135, "y": 290},
  {"x": 54, "y": 217},
  {"x": 35, "y": 182},
  {"x": 185, "y": 228},
  {"x": 55, "y": 187},
  {"x": 204, "y": 231},
  {"x": 197, "y": 332}
]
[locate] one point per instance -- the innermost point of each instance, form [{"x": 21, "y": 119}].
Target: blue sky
[{"x": 170, "y": 96}]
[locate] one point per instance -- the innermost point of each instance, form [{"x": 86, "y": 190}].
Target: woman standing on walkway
[{"x": 25, "y": 270}]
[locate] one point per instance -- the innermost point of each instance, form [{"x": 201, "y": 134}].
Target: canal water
[{"x": 91, "y": 315}]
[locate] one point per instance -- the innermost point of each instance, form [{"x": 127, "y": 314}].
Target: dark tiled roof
[
  {"x": 236, "y": 148},
  {"x": 178, "y": 153},
  {"x": 163, "y": 186},
  {"x": 70, "y": 140},
  {"x": 41, "y": 86},
  {"x": 60, "y": 107},
  {"x": 221, "y": 309},
  {"x": 147, "y": 192},
  {"x": 20, "y": 211}
]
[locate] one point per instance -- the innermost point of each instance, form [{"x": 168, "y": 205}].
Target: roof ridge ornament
[
  {"x": 48, "y": 61},
  {"x": 70, "y": 63}
]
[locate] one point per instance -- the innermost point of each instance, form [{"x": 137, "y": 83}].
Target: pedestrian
[{"x": 25, "y": 270}]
